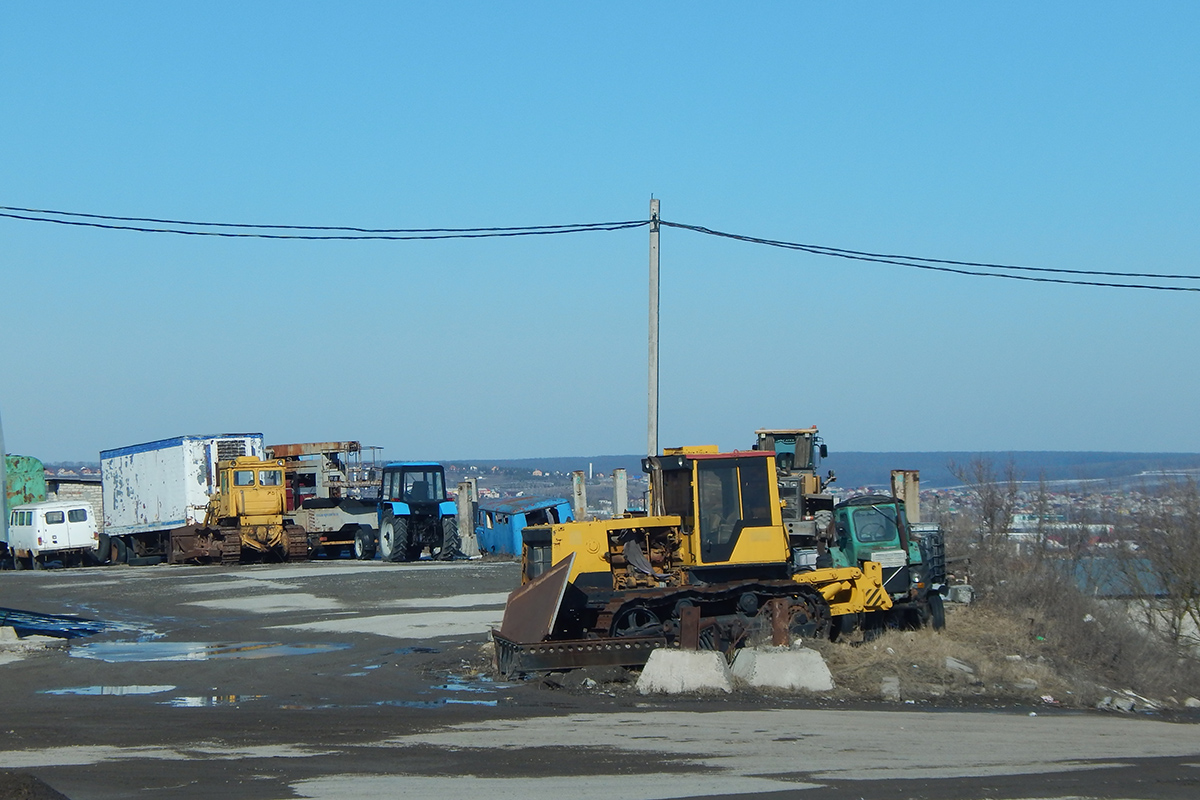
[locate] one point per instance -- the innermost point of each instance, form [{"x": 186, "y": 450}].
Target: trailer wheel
[
  {"x": 364, "y": 543},
  {"x": 451, "y": 541},
  {"x": 937, "y": 611}
]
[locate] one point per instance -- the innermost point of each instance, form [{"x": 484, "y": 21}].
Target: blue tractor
[{"x": 414, "y": 513}]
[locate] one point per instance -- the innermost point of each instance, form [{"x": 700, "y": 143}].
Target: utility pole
[
  {"x": 3, "y": 489},
  {"x": 652, "y": 421}
]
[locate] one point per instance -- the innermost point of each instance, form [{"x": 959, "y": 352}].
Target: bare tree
[
  {"x": 1162, "y": 564},
  {"x": 994, "y": 494}
]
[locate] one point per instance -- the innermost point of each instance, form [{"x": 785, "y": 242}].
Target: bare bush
[{"x": 1089, "y": 640}]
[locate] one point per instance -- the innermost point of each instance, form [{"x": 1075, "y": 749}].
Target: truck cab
[
  {"x": 876, "y": 528},
  {"x": 415, "y": 513}
]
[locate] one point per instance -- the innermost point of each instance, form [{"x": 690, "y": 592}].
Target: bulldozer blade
[
  {"x": 532, "y": 609},
  {"x": 515, "y": 658}
]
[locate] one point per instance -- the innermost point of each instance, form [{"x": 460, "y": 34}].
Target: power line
[
  {"x": 193, "y": 224},
  {"x": 938, "y": 265},
  {"x": 178, "y": 227},
  {"x": 392, "y": 234}
]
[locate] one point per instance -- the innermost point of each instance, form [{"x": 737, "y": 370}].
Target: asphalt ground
[{"x": 344, "y": 679}]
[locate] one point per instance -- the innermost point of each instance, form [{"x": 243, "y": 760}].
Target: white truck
[
  {"x": 158, "y": 487},
  {"x": 55, "y": 530}
]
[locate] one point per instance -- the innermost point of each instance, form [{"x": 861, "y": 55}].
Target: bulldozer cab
[
  {"x": 728, "y": 504},
  {"x": 251, "y": 491}
]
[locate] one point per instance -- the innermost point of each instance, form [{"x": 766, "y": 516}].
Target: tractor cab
[{"x": 414, "y": 484}]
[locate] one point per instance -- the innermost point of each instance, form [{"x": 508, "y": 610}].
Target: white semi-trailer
[{"x": 158, "y": 487}]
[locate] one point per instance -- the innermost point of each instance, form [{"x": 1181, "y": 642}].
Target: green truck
[{"x": 913, "y": 558}]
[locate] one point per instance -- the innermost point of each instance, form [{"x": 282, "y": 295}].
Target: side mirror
[{"x": 824, "y": 451}]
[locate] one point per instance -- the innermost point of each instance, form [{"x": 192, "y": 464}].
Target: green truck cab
[{"x": 913, "y": 557}]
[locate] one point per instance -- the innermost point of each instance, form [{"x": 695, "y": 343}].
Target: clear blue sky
[{"x": 1059, "y": 135}]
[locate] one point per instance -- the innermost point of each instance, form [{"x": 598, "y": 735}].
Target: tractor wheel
[
  {"x": 393, "y": 539},
  {"x": 364, "y": 543},
  {"x": 937, "y": 611},
  {"x": 451, "y": 541},
  {"x": 387, "y": 537},
  {"x": 842, "y": 626}
]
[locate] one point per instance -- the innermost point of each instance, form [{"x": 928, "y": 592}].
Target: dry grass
[
  {"x": 1006, "y": 663},
  {"x": 1033, "y": 634}
]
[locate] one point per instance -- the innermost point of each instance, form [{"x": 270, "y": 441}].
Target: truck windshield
[
  {"x": 270, "y": 477},
  {"x": 875, "y": 524}
]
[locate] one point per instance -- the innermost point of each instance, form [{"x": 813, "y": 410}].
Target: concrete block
[
  {"x": 960, "y": 593},
  {"x": 801, "y": 669},
  {"x": 889, "y": 688},
  {"x": 683, "y": 671},
  {"x": 954, "y": 665},
  {"x": 9, "y": 634}
]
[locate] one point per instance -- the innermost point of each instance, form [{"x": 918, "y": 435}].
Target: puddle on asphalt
[
  {"x": 211, "y": 701},
  {"x": 407, "y": 651},
  {"x": 446, "y": 701},
  {"x": 478, "y": 684},
  {"x": 111, "y": 690},
  {"x": 457, "y": 686},
  {"x": 116, "y": 652}
]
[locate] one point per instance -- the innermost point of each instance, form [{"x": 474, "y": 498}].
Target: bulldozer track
[
  {"x": 297, "y": 543},
  {"x": 655, "y": 612},
  {"x": 231, "y": 548}
]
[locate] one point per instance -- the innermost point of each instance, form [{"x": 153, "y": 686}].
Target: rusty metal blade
[{"x": 532, "y": 610}]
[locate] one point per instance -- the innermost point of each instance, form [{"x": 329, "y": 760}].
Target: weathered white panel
[{"x": 165, "y": 484}]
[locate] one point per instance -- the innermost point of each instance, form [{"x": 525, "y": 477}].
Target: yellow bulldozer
[
  {"x": 244, "y": 519},
  {"x": 709, "y": 566}
]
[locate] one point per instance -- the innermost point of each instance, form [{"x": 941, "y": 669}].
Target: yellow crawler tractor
[
  {"x": 244, "y": 520},
  {"x": 709, "y": 567}
]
